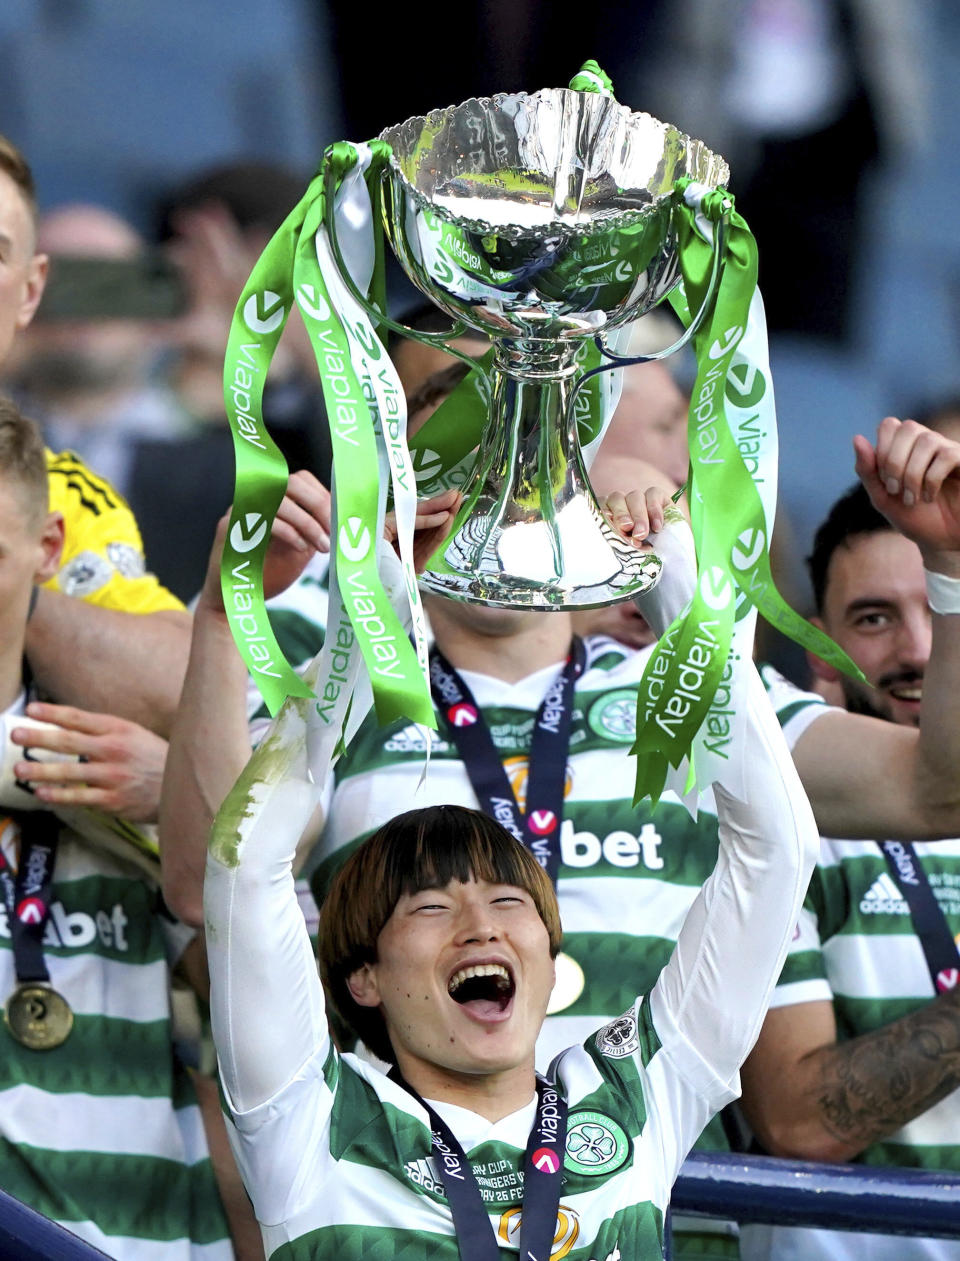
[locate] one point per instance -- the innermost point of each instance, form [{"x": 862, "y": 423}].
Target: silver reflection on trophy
[{"x": 541, "y": 220}]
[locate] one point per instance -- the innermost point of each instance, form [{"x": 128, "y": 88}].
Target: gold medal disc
[
  {"x": 568, "y": 986},
  {"x": 38, "y": 1017}
]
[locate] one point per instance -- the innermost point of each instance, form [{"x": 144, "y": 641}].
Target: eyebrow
[{"x": 869, "y": 602}]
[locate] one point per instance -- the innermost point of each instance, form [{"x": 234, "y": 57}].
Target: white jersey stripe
[
  {"x": 125, "y": 1124},
  {"x": 104, "y": 987},
  {"x": 149, "y": 1249}
]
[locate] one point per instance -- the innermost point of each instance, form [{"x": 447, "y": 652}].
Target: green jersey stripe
[
  {"x": 102, "y": 1056},
  {"x": 945, "y": 1156},
  {"x": 141, "y": 1196}
]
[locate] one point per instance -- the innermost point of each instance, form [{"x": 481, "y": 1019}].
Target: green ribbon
[
  {"x": 399, "y": 690},
  {"x": 590, "y": 78},
  {"x": 727, "y": 515},
  {"x": 261, "y": 471},
  {"x": 289, "y": 268}
]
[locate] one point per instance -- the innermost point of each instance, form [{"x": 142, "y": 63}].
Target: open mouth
[
  {"x": 913, "y": 693},
  {"x": 484, "y": 989}
]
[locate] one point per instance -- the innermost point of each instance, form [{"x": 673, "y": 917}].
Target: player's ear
[
  {"x": 33, "y": 289},
  {"x": 51, "y": 547},
  {"x": 363, "y": 987},
  {"x": 820, "y": 668}
]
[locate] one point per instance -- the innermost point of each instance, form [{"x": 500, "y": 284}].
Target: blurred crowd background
[{"x": 172, "y": 138}]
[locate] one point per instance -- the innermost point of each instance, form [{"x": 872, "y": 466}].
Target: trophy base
[
  {"x": 573, "y": 563},
  {"x": 502, "y": 592}
]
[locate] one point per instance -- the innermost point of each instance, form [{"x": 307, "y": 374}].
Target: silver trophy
[{"x": 541, "y": 220}]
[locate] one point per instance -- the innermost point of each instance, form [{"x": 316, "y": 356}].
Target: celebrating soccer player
[{"x": 437, "y": 944}]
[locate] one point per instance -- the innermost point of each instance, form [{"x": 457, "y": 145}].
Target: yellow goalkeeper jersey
[{"x": 102, "y": 558}]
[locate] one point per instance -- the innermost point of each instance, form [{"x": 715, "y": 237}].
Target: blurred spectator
[
  {"x": 86, "y": 368},
  {"x": 801, "y": 96},
  {"x": 100, "y": 658},
  {"x": 857, "y": 1057},
  {"x": 214, "y": 229}
]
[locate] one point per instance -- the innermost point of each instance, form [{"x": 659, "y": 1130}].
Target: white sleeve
[
  {"x": 796, "y": 709},
  {"x": 266, "y": 1000},
  {"x": 711, "y": 998}
]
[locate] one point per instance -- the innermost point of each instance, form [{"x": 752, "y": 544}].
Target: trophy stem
[{"x": 530, "y": 533}]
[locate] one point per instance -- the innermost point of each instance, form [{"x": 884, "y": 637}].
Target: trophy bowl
[{"x": 541, "y": 220}]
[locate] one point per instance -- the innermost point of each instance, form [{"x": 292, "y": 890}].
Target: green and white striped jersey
[
  {"x": 628, "y": 874},
  {"x": 369, "y": 1188},
  {"x": 856, "y": 947},
  {"x": 103, "y": 1133},
  {"x": 337, "y": 1158}
]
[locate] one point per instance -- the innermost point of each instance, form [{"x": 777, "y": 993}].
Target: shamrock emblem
[
  {"x": 620, "y": 1031},
  {"x": 591, "y": 1144}
]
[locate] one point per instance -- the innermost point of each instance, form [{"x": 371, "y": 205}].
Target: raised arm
[
  {"x": 866, "y": 777},
  {"x": 716, "y": 987},
  {"x": 266, "y": 1001},
  {"x": 209, "y": 743},
  {"x": 266, "y": 998}
]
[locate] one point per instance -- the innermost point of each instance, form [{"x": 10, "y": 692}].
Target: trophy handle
[
  {"x": 378, "y": 316},
  {"x": 620, "y": 361}
]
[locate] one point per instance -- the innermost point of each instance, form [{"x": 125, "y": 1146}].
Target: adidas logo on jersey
[
  {"x": 423, "y": 1174},
  {"x": 413, "y": 739},
  {"x": 883, "y": 898}
]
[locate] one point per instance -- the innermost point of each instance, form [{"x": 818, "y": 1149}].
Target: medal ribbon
[
  {"x": 26, "y": 895},
  {"x": 538, "y": 825},
  {"x": 542, "y": 1180},
  {"x": 940, "y": 950}
]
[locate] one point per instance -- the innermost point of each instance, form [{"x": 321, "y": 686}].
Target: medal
[
  {"x": 539, "y": 1215},
  {"x": 38, "y": 1017}
]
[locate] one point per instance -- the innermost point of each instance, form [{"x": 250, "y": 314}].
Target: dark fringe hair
[
  {"x": 853, "y": 514},
  {"x": 421, "y": 849}
]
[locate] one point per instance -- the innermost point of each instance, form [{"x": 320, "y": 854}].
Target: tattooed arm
[{"x": 810, "y": 1097}]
